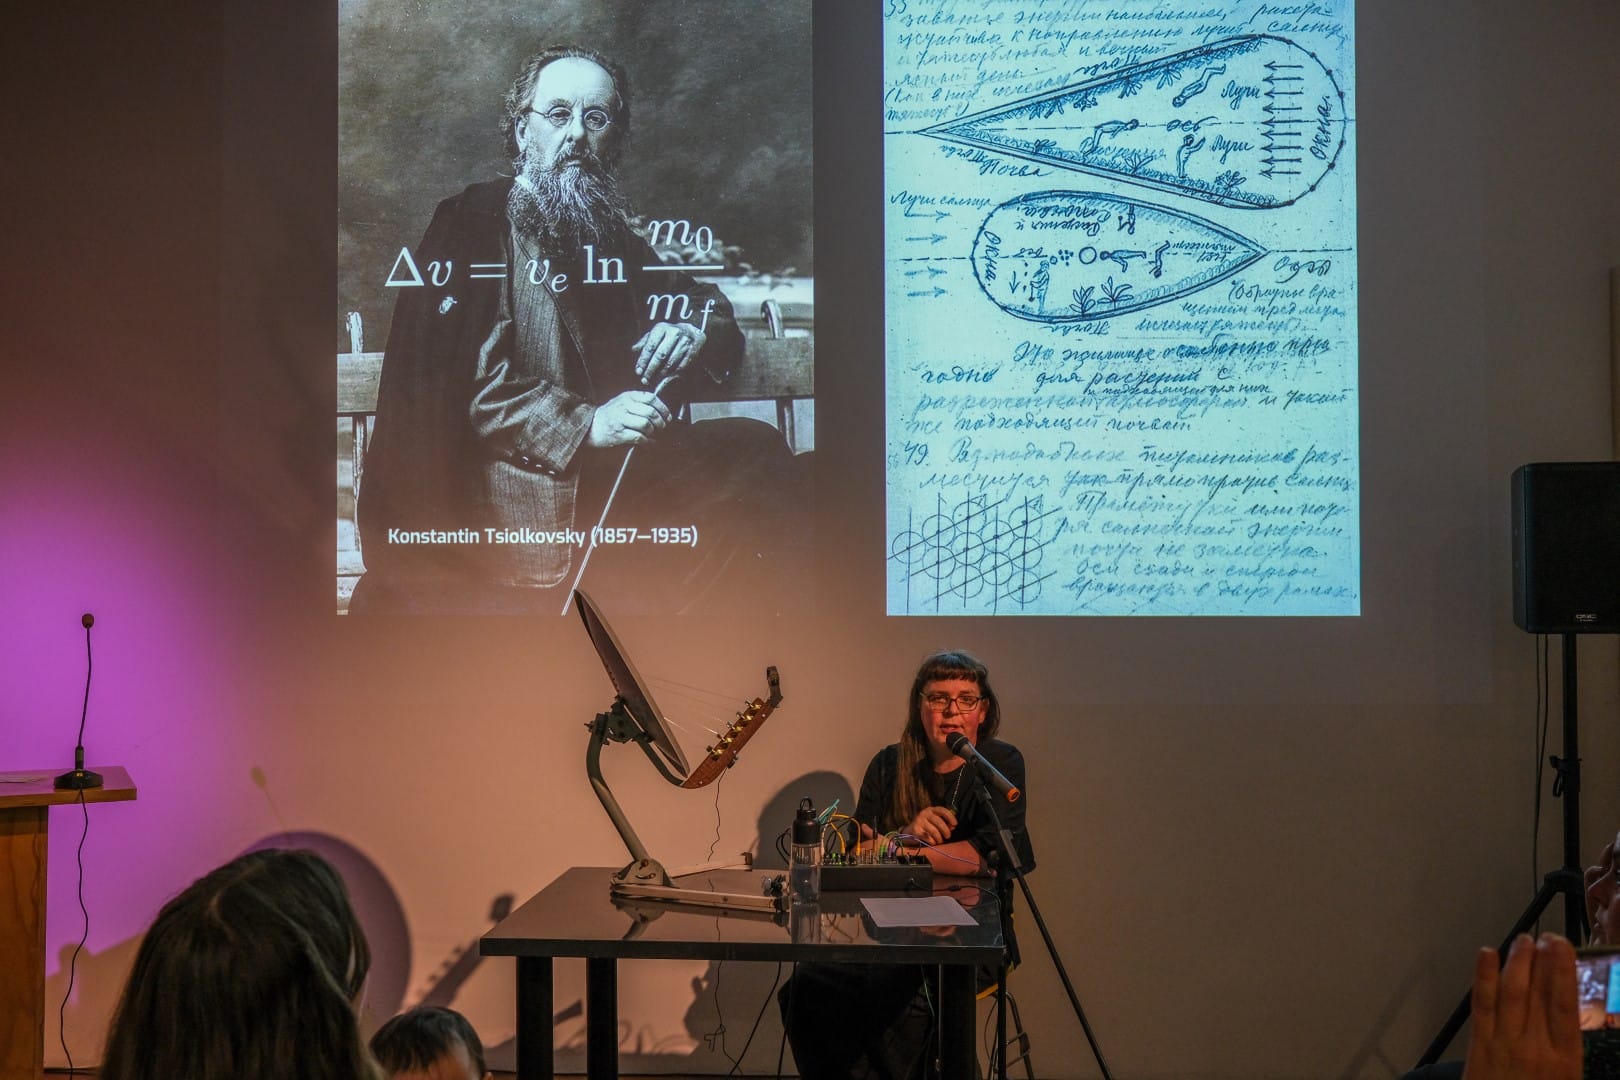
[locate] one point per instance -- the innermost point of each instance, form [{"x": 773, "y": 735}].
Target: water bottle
[
  {"x": 804, "y": 923},
  {"x": 804, "y": 868}
]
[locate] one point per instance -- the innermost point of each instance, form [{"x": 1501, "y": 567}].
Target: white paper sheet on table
[{"x": 916, "y": 911}]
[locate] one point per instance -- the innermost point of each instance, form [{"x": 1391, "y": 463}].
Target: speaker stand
[{"x": 1566, "y": 880}]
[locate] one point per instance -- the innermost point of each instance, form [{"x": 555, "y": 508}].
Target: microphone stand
[
  {"x": 79, "y": 778},
  {"x": 1010, "y": 864}
]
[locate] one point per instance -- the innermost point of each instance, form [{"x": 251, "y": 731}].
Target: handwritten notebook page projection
[{"x": 1121, "y": 309}]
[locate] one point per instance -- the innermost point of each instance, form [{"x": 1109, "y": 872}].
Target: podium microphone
[
  {"x": 80, "y": 777},
  {"x": 965, "y": 750}
]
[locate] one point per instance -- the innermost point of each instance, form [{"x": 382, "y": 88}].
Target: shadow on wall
[
  {"x": 381, "y": 916},
  {"x": 99, "y": 977}
]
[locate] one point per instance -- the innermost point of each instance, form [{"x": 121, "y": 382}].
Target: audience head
[
  {"x": 429, "y": 1043},
  {"x": 254, "y": 971},
  {"x": 1602, "y": 908}
]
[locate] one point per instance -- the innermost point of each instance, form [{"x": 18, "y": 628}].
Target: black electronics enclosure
[{"x": 1566, "y": 547}]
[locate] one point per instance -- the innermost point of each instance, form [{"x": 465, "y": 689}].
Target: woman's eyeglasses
[{"x": 963, "y": 702}]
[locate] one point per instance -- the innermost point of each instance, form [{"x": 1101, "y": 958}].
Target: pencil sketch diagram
[
  {"x": 979, "y": 551},
  {"x": 1075, "y": 256},
  {"x": 1251, "y": 122}
]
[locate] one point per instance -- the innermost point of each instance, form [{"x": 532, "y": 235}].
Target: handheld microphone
[{"x": 965, "y": 750}]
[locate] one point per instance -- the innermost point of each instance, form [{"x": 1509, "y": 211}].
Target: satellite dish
[{"x": 632, "y": 690}]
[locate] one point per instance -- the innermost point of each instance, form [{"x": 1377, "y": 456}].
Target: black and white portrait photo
[{"x": 575, "y": 305}]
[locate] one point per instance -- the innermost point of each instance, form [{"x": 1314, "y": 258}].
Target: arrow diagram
[{"x": 1131, "y": 124}]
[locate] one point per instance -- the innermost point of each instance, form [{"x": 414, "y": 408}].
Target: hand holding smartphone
[{"x": 1597, "y": 983}]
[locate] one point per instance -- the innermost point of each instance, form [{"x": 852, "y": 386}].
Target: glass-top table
[{"x": 576, "y": 915}]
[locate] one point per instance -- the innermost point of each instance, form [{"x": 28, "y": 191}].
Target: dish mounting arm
[{"x": 619, "y": 726}]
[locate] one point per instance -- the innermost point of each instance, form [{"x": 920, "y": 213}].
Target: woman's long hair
[
  {"x": 252, "y": 972},
  {"x": 911, "y": 775}
]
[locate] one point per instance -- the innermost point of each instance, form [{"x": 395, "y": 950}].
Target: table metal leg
[
  {"x": 956, "y": 1023},
  {"x": 534, "y": 1009},
  {"x": 602, "y": 1018}
]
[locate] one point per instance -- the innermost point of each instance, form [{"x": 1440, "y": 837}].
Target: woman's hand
[{"x": 933, "y": 825}]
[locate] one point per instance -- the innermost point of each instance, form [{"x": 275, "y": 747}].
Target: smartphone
[
  {"x": 1597, "y": 975},
  {"x": 1597, "y": 979}
]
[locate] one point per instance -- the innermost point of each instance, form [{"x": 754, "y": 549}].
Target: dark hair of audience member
[
  {"x": 415, "y": 1039},
  {"x": 252, "y": 973}
]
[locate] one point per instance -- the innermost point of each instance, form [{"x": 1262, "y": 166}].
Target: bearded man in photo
[{"x": 513, "y": 393}]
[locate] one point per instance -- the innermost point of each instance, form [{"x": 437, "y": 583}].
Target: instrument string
[
  {"x": 706, "y": 704},
  {"x": 720, "y": 697}
]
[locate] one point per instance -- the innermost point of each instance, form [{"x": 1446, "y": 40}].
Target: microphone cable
[{"x": 73, "y": 964}]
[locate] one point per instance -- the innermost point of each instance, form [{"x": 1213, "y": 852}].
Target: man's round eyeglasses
[
  {"x": 594, "y": 119},
  {"x": 964, "y": 702}
]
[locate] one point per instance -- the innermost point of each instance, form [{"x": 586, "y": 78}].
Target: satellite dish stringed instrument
[{"x": 633, "y": 718}]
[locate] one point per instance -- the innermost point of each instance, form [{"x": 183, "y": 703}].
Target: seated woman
[
  {"x": 926, "y": 798},
  {"x": 252, "y": 973}
]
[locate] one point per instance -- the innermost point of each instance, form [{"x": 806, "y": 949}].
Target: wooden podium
[{"x": 25, "y": 798}]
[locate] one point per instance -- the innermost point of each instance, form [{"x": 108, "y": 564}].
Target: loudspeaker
[{"x": 1566, "y": 547}]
